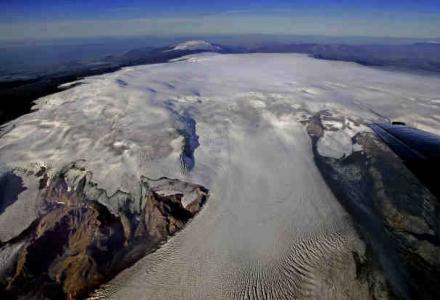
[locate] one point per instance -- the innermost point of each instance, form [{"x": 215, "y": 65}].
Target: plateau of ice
[{"x": 234, "y": 124}]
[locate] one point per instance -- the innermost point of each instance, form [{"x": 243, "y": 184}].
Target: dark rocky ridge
[
  {"x": 418, "y": 149},
  {"x": 395, "y": 214},
  {"x": 78, "y": 242}
]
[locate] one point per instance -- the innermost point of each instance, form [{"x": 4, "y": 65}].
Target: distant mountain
[
  {"x": 424, "y": 56},
  {"x": 150, "y": 55},
  {"x": 196, "y": 45}
]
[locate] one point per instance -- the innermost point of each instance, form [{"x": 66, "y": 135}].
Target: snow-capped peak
[{"x": 196, "y": 45}]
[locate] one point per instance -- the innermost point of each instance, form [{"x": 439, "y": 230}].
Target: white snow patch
[
  {"x": 338, "y": 134},
  {"x": 357, "y": 147},
  {"x": 69, "y": 84},
  {"x": 196, "y": 45},
  {"x": 335, "y": 144}
]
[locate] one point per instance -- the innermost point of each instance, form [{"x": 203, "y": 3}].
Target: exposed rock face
[
  {"x": 397, "y": 216},
  {"x": 78, "y": 242}
]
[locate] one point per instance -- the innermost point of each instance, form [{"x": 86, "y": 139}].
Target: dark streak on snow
[
  {"x": 121, "y": 83},
  {"x": 11, "y": 186},
  {"x": 186, "y": 127}
]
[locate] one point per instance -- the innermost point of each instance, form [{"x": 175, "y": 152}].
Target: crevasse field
[{"x": 233, "y": 123}]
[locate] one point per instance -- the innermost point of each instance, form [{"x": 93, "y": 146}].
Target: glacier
[{"x": 272, "y": 227}]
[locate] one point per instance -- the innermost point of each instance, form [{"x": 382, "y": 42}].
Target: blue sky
[{"x": 81, "y": 18}]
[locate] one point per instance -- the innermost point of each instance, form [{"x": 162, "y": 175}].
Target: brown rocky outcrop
[{"x": 80, "y": 241}]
